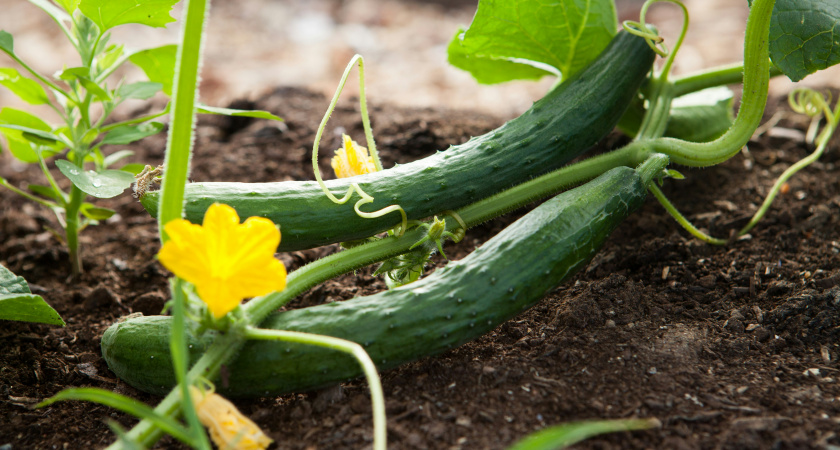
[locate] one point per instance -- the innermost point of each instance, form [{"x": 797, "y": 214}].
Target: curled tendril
[
  {"x": 810, "y": 102},
  {"x": 354, "y": 187},
  {"x": 815, "y": 105},
  {"x": 654, "y": 40}
]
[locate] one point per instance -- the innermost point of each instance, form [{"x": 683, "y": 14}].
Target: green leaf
[
  {"x": 7, "y": 42},
  {"x": 28, "y": 308},
  {"x": 127, "y": 134},
  {"x": 490, "y": 70},
  {"x": 94, "y": 212},
  {"x": 11, "y": 283},
  {"x": 564, "y": 435},
  {"x": 546, "y": 36},
  {"x": 107, "y": 14},
  {"x": 702, "y": 116},
  {"x": 124, "y": 404},
  {"x": 158, "y": 64},
  {"x": 204, "y": 109},
  {"x": 82, "y": 75},
  {"x": 116, "y": 156},
  {"x": 805, "y": 36},
  {"x": 142, "y": 90},
  {"x": 68, "y": 5},
  {"x": 27, "y": 89},
  {"x": 13, "y": 123},
  {"x": 46, "y": 191},
  {"x": 102, "y": 184},
  {"x": 133, "y": 168},
  {"x": 18, "y": 303},
  {"x": 110, "y": 57}
]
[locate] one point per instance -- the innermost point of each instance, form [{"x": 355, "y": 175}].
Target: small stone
[
  {"x": 752, "y": 326},
  {"x": 812, "y": 372},
  {"x": 734, "y": 325}
]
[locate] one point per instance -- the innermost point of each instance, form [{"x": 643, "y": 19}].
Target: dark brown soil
[{"x": 729, "y": 347}]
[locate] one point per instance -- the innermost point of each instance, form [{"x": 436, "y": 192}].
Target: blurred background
[{"x": 255, "y": 45}]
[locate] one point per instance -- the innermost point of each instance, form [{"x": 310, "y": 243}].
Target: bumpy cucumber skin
[
  {"x": 507, "y": 275},
  {"x": 561, "y": 126}
]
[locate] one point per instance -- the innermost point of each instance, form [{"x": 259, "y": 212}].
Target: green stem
[
  {"x": 184, "y": 94},
  {"x": 40, "y": 77},
  {"x": 825, "y": 137},
  {"x": 377, "y": 397},
  {"x": 71, "y": 231},
  {"x": 652, "y": 168},
  {"x": 46, "y": 203},
  {"x": 133, "y": 121},
  {"x": 681, "y": 219},
  {"x": 718, "y": 76},
  {"x": 180, "y": 362},
  {"x": 756, "y": 82}
]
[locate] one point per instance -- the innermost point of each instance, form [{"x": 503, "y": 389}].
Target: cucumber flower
[
  {"x": 352, "y": 159},
  {"x": 225, "y": 260},
  {"x": 229, "y": 429}
]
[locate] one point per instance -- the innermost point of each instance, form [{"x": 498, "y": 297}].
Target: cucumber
[
  {"x": 507, "y": 275},
  {"x": 568, "y": 120}
]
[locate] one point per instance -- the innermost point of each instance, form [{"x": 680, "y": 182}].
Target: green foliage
[
  {"x": 18, "y": 303},
  {"x": 805, "y": 36},
  {"x": 528, "y": 39},
  {"x": 107, "y": 14},
  {"x": 158, "y": 64},
  {"x": 102, "y": 184},
  {"x": 126, "y": 134},
  {"x": 20, "y": 128},
  {"x": 562, "y": 436},
  {"x": 28, "y": 90}
]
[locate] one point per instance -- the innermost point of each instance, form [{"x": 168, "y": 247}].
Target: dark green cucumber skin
[
  {"x": 559, "y": 127},
  {"x": 507, "y": 275}
]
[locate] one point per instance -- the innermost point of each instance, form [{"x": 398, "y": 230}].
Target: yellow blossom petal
[
  {"x": 352, "y": 159},
  {"x": 229, "y": 429},
  {"x": 225, "y": 260}
]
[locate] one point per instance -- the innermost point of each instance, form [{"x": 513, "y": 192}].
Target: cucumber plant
[{"x": 466, "y": 298}]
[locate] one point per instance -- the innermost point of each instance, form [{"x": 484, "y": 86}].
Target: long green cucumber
[
  {"x": 566, "y": 122},
  {"x": 505, "y": 276}
]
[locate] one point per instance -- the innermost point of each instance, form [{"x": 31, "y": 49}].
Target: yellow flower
[
  {"x": 352, "y": 159},
  {"x": 229, "y": 429},
  {"x": 225, "y": 260}
]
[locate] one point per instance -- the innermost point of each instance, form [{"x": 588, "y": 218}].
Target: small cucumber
[
  {"x": 566, "y": 122},
  {"x": 507, "y": 275}
]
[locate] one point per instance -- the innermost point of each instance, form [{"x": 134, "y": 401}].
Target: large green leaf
[
  {"x": 27, "y": 89},
  {"x": 18, "y": 303},
  {"x": 158, "y": 64},
  {"x": 805, "y": 36},
  {"x": 546, "y": 36},
  {"x": 102, "y": 184},
  {"x": 107, "y": 14},
  {"x": 489, "y": 70}
]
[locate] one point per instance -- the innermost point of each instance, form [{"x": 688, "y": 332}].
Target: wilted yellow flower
[
  {"x": 225, "y": 260},
  {"x": 229, "y": 429},
  {"x": 352, "y": 159}
]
